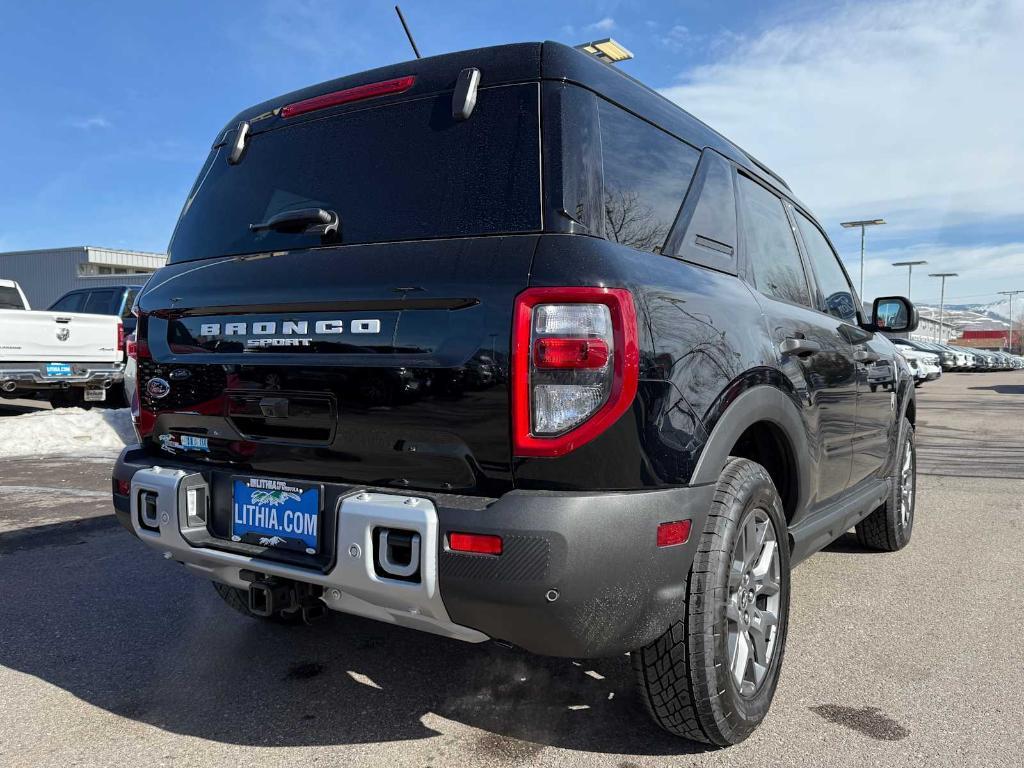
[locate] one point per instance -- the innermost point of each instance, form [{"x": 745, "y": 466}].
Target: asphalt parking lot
[{"x": 109, "y": 655}]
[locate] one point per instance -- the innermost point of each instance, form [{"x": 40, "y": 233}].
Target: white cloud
[
  {"x": 983, "y": 270},
  {"x": 607, "y": 24},
  {"x": 677, "y": 38},
  {"x": 911, "y": 108},
  {"x": 94, "y": 121}
]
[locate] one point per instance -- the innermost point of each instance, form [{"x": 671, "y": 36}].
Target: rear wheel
[
  {"x": 888, "y": 528},
  {"x": 711, "y": 677}
]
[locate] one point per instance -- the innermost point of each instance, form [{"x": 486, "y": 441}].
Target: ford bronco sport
[{"x": 503, "y": 345}]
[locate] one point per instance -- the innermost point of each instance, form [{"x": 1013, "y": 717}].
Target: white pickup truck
[{"x": 65, "y": 357}]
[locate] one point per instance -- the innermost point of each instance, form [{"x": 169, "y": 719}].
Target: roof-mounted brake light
[{"x": 360, "y": 92}]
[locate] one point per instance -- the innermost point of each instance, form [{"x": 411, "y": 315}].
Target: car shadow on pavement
[
  {"x": 847, "y": 544},
  {"x": 108, "y": 621},
  {"x": 1004, "y": 389}
]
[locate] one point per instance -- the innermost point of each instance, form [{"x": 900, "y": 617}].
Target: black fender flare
[{"x": 760, "y": 403}]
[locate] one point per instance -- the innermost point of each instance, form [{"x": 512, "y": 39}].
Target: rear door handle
[{"x": 799, "y": 347}]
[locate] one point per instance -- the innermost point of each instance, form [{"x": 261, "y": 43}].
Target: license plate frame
[
  {"x": 95, "y": 395},
  {"x": 277, "y": 514},
  {"x": 59, "y": 370}
]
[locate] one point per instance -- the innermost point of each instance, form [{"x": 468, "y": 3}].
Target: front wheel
[
  {"x": 712, "y": 675},
  {"x": 888, "y": 528}
]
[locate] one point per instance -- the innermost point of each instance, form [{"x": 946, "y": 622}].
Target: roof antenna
[{"x": 408, "y": 34}]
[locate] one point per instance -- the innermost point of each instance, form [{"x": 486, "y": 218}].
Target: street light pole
[
  {"x": 1011, "y": 294},
  {"x": 910, "y": 270},
  {"x": 942, "y": 300},
  {"x": 862, "y": 224}
]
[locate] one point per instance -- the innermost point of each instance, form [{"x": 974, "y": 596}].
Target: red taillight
[
  {"x": 670, "y": 534},
  {"x": 570, "y": 353},
  {"x": 475, "y": 543},
  {"x": 360, "y": 92},
  {"x": 132, "y": 348},
  {"x": 575, "y": 366},
  {"x": 120, "y": 337}
]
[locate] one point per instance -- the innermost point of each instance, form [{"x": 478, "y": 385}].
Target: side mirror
[{"x": 893, "y": 314}]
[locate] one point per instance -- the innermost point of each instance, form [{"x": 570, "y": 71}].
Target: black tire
[
  {"x": 239, "y": 600},
  {"x": 887, "y": 528},
  {"x": 685, "y": 676},
  {"x": 874, "y": 387},
  {"x": 918, "y": 383}
]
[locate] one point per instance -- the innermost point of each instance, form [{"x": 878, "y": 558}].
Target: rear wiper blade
[{"x": 300, "y": 221}]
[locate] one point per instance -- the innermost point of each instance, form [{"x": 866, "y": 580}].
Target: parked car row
[
  {"x": 954, "y": 358},
  {"x": 925, "y": 366}
]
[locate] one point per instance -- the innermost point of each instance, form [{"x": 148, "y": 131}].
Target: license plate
[
  {"x": 58, "y": 369},
  {"x": 282, "y": 514},
  {"x": 95, "y": 395}
]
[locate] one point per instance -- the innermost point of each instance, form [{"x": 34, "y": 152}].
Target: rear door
[{"x": 813, "y": 352}]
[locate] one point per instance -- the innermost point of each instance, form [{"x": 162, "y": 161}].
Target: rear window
[
  {"x": 10, "y": 298},
  {"x": 395, "y": 172},
  {"x": 646, "y": 175},
  {"x": 102, "y": 302},
  {"x": 72, "y": 302}
]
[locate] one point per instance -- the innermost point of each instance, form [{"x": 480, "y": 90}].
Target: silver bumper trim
[
  {"x": 93, "y": 374},
  {"x": 351, "y": 586}
]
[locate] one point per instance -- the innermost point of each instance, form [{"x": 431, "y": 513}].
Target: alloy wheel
[
  {"x": 752, "y": 609},
  {"x": 907, "y": 485}
]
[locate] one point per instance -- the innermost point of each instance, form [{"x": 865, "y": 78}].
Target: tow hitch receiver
[{"x": 270, "y": 596}]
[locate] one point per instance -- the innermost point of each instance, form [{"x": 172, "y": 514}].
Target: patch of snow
[{"x": 66, "y": 432}]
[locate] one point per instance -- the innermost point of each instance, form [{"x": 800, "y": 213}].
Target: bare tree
[{"x": 630, "y": 222}]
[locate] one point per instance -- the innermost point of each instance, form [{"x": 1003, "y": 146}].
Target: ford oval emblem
[{"x": 158, "y": 388}]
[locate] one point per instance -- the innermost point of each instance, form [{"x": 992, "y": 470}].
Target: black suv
[{"x": 503, "y": 345}]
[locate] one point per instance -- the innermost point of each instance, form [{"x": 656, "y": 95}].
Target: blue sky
[{"x": 909, "y": 110}]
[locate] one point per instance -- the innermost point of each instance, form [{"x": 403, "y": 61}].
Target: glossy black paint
[
  {"x": 424, "y": 404},
  {"x": 421, "y": 404}
]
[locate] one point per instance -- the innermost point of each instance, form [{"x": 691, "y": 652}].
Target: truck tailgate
[{"x": 61, "y": 337}]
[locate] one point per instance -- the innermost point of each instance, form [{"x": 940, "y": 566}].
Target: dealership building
[{"x": 47, "y": 274}]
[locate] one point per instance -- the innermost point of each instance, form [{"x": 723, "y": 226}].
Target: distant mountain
[{"x": 988, "y": 316}]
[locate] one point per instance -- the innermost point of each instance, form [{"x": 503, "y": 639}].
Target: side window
[
  {"x": 72, "y": 302},
  {"x": 128, "y": 302},
  {"x": 770, "y": 245},
  {"x": 705, "y": 233},
  {"x": 99, "y": 302},
  {"x": 646, "y": 175},
  {"x": 839, "y": 299}
]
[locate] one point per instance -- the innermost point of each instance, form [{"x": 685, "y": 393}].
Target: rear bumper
[
  {"x": 33, "y": 375},
  {"x": 580, "y": 575}
]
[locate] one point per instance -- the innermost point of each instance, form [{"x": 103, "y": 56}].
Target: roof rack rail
[{"x": 767, "y": 170}]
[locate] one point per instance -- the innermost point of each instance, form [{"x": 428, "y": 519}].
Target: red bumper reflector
[
  {"x": 124, "y": 487},
  {"x": 570, "y": 353},
  {"x": 475, "y": 543},
  {"x": 670, "y": 534},
  {"x": 360, "y": 92}
]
